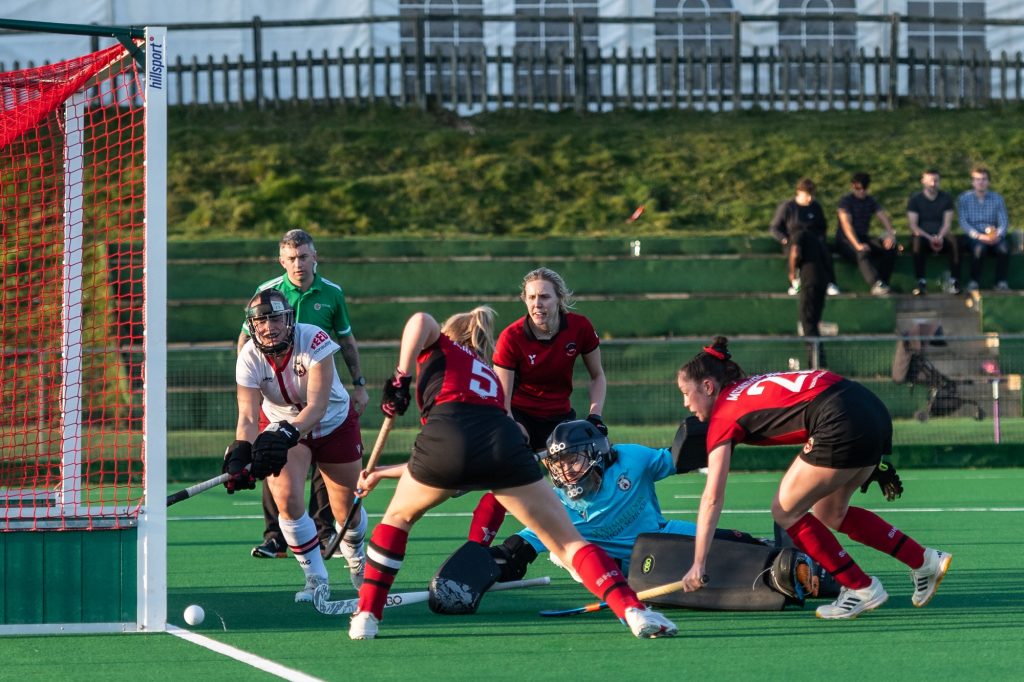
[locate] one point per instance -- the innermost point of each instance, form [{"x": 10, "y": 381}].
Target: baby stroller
[{"x": 912, "y": 366}]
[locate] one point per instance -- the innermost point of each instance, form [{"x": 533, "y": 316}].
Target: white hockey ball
[{"x": 194, "y": 615}]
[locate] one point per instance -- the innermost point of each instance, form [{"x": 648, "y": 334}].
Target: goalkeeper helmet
[
  {"x": 576, "y": 457},
  {"x": 270, "y": 310}
]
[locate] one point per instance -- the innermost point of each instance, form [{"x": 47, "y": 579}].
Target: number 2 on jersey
[{"x": 792, "y": 385}]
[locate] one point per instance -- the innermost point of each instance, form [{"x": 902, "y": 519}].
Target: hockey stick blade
[
  {"x": 348, "y": 606},
  {"x": 599, "y": 606},
  {"x": 371, "y": 464}
]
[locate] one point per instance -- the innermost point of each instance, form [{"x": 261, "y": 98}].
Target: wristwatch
[{"x": 361, "y": 381}]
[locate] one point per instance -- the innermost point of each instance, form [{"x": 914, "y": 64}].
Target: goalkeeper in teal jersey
[{"x": 609, "y": 491}]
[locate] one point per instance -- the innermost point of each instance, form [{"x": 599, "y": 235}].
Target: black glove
[
  {"x": 270, "y": 451},
  {"x": 888, "y": 480},
  {"x": 396, "y": 397},
  {"x": 596, "y": 420},
  {"x": 237, "y": 456}
]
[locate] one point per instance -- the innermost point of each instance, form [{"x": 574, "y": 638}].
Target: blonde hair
[
  {"x": 473, "y": 329},
  {"x": 562, "y": 292}
]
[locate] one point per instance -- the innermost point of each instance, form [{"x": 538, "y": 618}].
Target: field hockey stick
[
  {"x": 651, "y": 593},
  {"x": 348, "y": 606},
  {"x": 371, "y": 464},
  {"x": 194, "y": 490}
]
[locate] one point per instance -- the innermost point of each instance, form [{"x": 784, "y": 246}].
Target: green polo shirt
[{"x": 322, "y": 304}]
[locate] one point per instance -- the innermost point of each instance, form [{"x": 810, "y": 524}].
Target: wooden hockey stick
[
  {"x": 371, "y": 464},
  {"x": 651, "y": 593},
  {"x": 348, "y": 606}
]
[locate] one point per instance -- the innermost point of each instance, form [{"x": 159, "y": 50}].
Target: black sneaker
[
  {"x": 921, "y": 289},
  {"x": 270, "y": 549}
]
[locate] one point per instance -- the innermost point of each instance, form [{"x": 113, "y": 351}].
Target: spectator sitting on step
[
  {"x": 984, "y": 220},
  {"x": 875, "y": 257},
  {"x": 930, "y": 216}
]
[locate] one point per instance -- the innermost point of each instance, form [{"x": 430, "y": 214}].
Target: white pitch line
[{"x": 242, "y": 656}]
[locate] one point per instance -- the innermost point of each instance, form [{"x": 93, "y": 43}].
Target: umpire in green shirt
[{"x": 321, "y": 302}]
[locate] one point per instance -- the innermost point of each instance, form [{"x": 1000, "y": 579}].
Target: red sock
[
  {"x": 811, "y": 536},
  {"x": 602, "y": 576},
  {"x": 487, "y": 518},
  {"x": 384, "y": 555},
  {"x": 872, "y": 530}
]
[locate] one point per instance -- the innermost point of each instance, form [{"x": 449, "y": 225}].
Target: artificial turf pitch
[{"x": 971, "y": 630}]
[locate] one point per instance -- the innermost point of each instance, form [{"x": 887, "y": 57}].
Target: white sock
[
  {"x": 300, "y": 534},
  {"x": 355, "y": 534}
]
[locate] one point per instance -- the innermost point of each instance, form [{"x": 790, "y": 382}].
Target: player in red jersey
[
  {"x": 534, "y": 360},
  {"x": 845, "y": 429},
  {"x": 468, "y": 442}
]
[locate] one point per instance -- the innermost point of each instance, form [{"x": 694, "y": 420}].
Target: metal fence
[{"x": 966, "y": 390}]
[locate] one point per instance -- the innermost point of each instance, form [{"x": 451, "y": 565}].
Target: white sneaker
[
  {"x": 972, "y": 286},
  {"x": 355, "y": 557},
  {"x": 832, "y": 290},
  {"x": 927, "y": 578},
  {"x": 363, "y": 625},
  {"x": 852, "y": 603},
  {"x": 646, "y": 623},
  {"x": 880, "y": 288},
  {"x": 306, "y": 593},
  {"x": 1002, "y": 285},
  {"x": 794, "y": 287}
]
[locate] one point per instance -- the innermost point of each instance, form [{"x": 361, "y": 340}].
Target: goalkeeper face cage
[
  {"x": 271, "y": 322},
  {"x": 576, "y": 457}
]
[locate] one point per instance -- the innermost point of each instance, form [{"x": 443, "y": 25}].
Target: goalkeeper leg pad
[
  {"x": 736, "y": 573},
  {"x": 462, "y": 579}
]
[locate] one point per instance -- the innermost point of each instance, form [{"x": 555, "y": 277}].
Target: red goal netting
[{"x": 71, "y": 236}]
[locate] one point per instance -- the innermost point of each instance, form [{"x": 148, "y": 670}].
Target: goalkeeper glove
[{"x": 888, "y": 480}]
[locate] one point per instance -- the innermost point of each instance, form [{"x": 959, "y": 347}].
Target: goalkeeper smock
[
  {"x": 284, "y": 383},
  {"x": 624, "y": 506}
]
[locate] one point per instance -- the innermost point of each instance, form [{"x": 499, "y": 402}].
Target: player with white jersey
[
  {"x": 292, "y": 411},
  {"x": 469, "y": 442},
  {"x": 845, "y": 429}
]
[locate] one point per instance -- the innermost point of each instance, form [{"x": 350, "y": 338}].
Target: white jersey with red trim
[{"x": 284, "y": 382}]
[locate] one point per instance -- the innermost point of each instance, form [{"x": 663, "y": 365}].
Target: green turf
[{"x": 970, "y": 631}]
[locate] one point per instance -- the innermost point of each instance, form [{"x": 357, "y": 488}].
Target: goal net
[{"x": 81, "y": 344}]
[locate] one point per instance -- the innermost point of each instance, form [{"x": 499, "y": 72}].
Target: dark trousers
[
  {"x": 922, "y": 249},
  {"x": 999, "y": 251},
  {"x": 875, "y": 265},
  {"x": 813, "y": 261},
  {"x": 319, "y": 511}
]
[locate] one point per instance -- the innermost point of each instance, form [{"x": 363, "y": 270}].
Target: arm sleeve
[
  {"x": 504, "y": 353},
  {"x": 1003, "y": 219},
  {"x": 962, "y": 213},
  {"x": 342, "y": 325},
  {"x": 778, "y": 226}
]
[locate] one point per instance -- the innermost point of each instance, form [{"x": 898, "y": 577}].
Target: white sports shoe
[
  {"x": 306, "y": 593},
  {"x": 852, "y": 603},
  {"x": 832, "y": 290},
  {"x": 355, "y": 557},
  {"x": 927, "y": 578},
  {"x": 794, "y": 287},
  {"x": 363, "y": 625},
  {"x": 646, "y": 623}
]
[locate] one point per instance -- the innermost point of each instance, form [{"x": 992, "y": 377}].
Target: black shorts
[
  {"x": 849, "y": 428},
  {"x": 539, "y": 428},
  {"x": 472, "y": 447}
]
